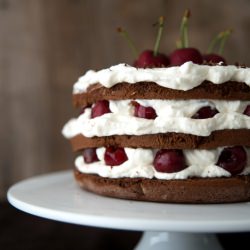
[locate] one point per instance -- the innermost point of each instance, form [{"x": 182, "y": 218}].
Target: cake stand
[{"x": 56, "y": 196}]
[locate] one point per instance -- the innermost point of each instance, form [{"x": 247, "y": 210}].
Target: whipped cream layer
[
  {"x": 172, "y": 116},
  {"x": 184, "y": 77},
  {"x": 201, "y": 163}
]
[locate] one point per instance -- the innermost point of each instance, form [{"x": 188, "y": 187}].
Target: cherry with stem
[
  {"x": 219, "y": 42},
  {"x": 148, "y": 58},
  {"x": 184, "y": 53}
]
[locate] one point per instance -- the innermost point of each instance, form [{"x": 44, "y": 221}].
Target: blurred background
[{"x": 46, "y": 45}]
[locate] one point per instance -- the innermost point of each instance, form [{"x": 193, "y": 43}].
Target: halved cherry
[
  {"x": 114, "y": 156},
  {"x": 247, "y": 110},
  {"x": 205, "y": 112},
  {"x": 144, "y": 112},
  {"x": 100, "y": 108},
  {"x": 89, "y": 155}
]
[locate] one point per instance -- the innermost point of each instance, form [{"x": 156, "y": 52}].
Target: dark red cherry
[
  {"x": 147, "y": 59},
  {"x": 180, "y": 56},
  {"x": 100, "y": 108},
  {"x": 144, "y": 112},
  {"x": 169, "y": 161},
  {"x": 115, "y": 156},
  {"x": 247, "y": 110},
  {"x": 214, "y": 58},
  {"x": 233, "y": 159},
  {"x": 205, "y": 112},
  {"x": 89, "y": 155}
]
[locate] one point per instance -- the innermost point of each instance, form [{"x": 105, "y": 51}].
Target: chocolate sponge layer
[
  {"x": 169, "y": 140},
  {"x": 193, "y": 190},
  {"x": 150, "y": 90}
]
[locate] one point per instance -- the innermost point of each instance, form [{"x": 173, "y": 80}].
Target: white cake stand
[{"x": 166, "y": 226}]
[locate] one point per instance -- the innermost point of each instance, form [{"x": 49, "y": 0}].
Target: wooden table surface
[{"x": 19, "y": 230}]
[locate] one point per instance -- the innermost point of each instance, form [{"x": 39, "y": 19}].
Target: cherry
[
  {"x": 89, "y": 155},
  {"x": 205, "y": 112},
  {"x": 180, "y": 56},
  {"x": 147, "y": 59},
  {"x": 169, "y": 161},
  {"x": 247, "y": 110},
  {"x": 214, "y": 58},
  {"x": 143, "y": 112},
  {"x": 100, "y": 108},
  {"x": 184, "y": 53},
  {"x": 233, "y": 159},
  {"x": 218, "y": 41},
  {"x": 115, "y": 156}
]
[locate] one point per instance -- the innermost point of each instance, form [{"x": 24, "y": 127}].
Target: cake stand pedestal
[
  {"x": 177, "y": 241},
  {"x": 56, "y": 196}
]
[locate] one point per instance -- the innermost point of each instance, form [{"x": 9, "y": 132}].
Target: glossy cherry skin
[
  {"x": 169, "y": 161},
  {"x": 247, "y": 110},
  {"x": 180, "y": 56},
  {"x": 205, "y": 112},
  {"x": 144, "y": 112},
  {"x": 115, "y": 156},
  {"x": 148, "y": 60},
  {"x": 233, "y": 159},
  {"x": 89, "y": 155},
  {"x": 214, "y": 58},
  {"x": 100, "y": 108}
]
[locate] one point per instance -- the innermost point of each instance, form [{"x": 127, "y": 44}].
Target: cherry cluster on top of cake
[{"x": 183, "y": 53}]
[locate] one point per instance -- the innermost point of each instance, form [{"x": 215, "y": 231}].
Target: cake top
[
  {"x": 184, "y": 77},
  {"x": 183, "y": 69}
]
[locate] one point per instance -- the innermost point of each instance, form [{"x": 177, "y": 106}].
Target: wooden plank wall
[{"x": 45, "y": 45}]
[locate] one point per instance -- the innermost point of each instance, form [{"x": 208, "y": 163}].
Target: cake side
[
  {"x": 195, "y": 190},
  {"x": 168, "y": 140},
  {"x": 170, "y": 128},
  {"x": 149, "y": 90},
  {"x": 174, "y": 123}
]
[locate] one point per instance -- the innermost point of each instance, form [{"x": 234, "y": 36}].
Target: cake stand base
[{"x": 177, "y": 241}]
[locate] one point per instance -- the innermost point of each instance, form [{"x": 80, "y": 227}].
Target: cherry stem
[
  {"x": 184, "y": 29},
  {"x": 160, "y": 24},
  {"x": 178, "y": 44},
  {"x": 220, "y": 41},
  {"x": 224, "y": 38},
  {"x": 131, "y": 44}
]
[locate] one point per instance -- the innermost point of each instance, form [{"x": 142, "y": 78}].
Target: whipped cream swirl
[
  {"x": 172, "y": 116},
  {"x": 201, "y": 163},
  {"x": 184, "y": 77}
]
